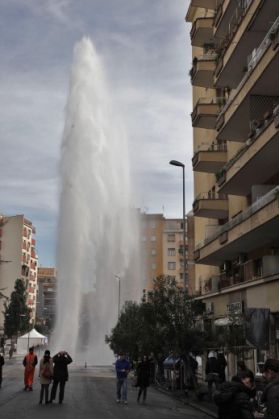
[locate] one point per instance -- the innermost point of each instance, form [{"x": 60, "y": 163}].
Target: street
[{"x": 90, "y": 393}]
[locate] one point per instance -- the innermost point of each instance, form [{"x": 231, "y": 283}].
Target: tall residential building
[
  {"x": 162, "y": 247},
  {"x": 18, "y": 259},
  {"x": 46, "y": 296},
  {"x": 235, "y": 118}
]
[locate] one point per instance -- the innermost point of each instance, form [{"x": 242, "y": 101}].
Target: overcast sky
[{"x": 145, "y": 48}]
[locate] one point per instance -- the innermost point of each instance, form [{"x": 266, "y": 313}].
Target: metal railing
[
  {"x": 253, "y": 60},
  {"x": 259, "y": 204},
  {"x": 210, "y": 195}
]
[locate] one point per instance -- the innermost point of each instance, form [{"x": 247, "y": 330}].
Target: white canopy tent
[{"x": 32, "y": 338}]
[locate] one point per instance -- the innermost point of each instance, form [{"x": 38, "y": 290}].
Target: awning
[
  {"x": 171, "y": 362},
  {"x": 223, "y": 321}
]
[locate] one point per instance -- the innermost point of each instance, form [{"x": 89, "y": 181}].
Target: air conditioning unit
[{"x": 209, "y": 308}]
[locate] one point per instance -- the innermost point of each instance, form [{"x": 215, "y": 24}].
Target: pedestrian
[
  {"x": 212, "y": 371},
  {"x": 45, "y": 374},
  {"x": 143, "y": 378},
  {"x": 60, "y": 374},
  {"x": 122, "y": 367},
  {"x": 193, "y": 367},
  {"x": 222, "y": 366},
  {"x": 2, "y": 362},
  {"x": 270, "y": 395},
  {"x": 30, "y": 361},
  {"x": 233, "y": 398}
]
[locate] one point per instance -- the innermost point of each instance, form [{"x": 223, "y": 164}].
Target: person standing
[
  {"x": 30, "y": 361},
  {"x": 270, "y": 395},
  {"x": 122, "y": 367},
  {"x": 233, "y": 398},
  {"x": 2, "y": 362},
  {"x": 143, "y": 377},
  {"x": 45, "y": 374},
  {"x": 60, "y": 374},
  {"x": 212, "y": 371},
  {"x": 222, "y": 366}
]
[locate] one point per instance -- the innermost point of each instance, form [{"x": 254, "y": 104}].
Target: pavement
[
  {"x": 90, "y": 393},
  {"x": 190, "y": 399}
]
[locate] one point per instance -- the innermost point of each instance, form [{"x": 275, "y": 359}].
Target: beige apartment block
[
  {"x": 162, "y": 247},
  {"x": 173, "y": 261},
  {"x": 18, "y": 259},
  {"x": 235, "y": 118}
]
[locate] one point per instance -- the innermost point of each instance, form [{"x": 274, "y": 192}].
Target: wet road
[{"x": 90, "y": 393}]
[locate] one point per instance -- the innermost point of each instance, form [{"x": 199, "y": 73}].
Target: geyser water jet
[{"x": 97, "y": 230}]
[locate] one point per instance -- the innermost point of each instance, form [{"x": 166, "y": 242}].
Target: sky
[{"x": 145, "y": 49}]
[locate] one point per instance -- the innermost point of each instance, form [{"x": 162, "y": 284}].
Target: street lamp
[
  {"x": 119, "y": 280},
  {"x": 179, "y": 164}
]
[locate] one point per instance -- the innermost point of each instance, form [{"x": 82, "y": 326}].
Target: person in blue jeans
[{"x": 122, "y": 367}]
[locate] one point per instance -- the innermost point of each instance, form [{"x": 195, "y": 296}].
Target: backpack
[{"x": 46, "y": 373}]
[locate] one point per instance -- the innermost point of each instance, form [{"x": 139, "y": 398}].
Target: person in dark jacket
[
  {"x": 222, "y": 366},
  {"x": 2, "y": 362},
  {"x": 233, "y": 398},
  {"x": 122, "y": 368},
  {"x": 60, "y": 374},
  {"x": 212, "y": 370},
  {"x": 143, "y": 377},
  {"x": 270, "y": 395}
]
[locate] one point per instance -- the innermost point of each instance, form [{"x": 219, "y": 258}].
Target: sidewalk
[{"x": 205, "y": 406}]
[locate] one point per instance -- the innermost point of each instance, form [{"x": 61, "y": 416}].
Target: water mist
[{"x": 97, "y": 231}]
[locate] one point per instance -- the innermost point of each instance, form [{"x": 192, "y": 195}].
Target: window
[
  {"x": 171, "y": 251},
  {"x": 171, "y": 237},
  {"x": 171, "y": 266},
  {"x": 153, "y": 266},
  {"x": 143, "y": 239},
  {"x": 153, "y": 252},
  {"x": 153, "y": 238}
]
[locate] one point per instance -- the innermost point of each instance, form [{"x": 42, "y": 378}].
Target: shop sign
[{"x": 235, "y": 308}]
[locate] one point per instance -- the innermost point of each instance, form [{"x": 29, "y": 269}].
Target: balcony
[
  {"x": 257, "y": 93},
  {"x": 206, "y": 112},
  {"x": 203, "y": 70},
  {"x": 211, "y": 159},
  {"x": 253, "y": 228},
  {"x": 248, "y": 167},
  {"x": 239, "y": 30},
  {"x": 211, "y": 205},
  {"x": 202, "y": 31},
  {"x": 205, "y": 4}
]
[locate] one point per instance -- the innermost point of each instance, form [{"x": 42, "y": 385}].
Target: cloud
[{"x": 146, "y": 59}]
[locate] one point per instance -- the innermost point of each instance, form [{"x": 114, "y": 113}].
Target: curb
[{"x": 196, "y": 406}]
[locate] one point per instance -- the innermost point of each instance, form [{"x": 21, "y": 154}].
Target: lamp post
[
  {"x": 179, "y": 164},
  {"x": 119, "y": 280}
]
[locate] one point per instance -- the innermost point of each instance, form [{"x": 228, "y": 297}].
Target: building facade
[
  {"x": 162, "y": 247},
  {"x": 18, "y": 259},
  {"x": 235, "y": 119},
  {"x": 46, "y": 296}
]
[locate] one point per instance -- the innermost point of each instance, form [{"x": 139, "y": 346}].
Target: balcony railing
[
  {"x": 234, "y": 21},
  {"x": 259, "y": 204},
  {"x": 202, "y": 31},
  {"x": 203, "y": 70},
  {"x": 206, "y": 111},
  {"x": 253, "y": 60}
]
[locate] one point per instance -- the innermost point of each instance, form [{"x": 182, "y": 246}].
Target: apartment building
[
  {"x": 173, "y": 260},
  {"x": 235, "y": 119},
  {"x": 162, "y": 247},
  {"x": 18, "y": 259},
  {"x": 46, "y": 296}
]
